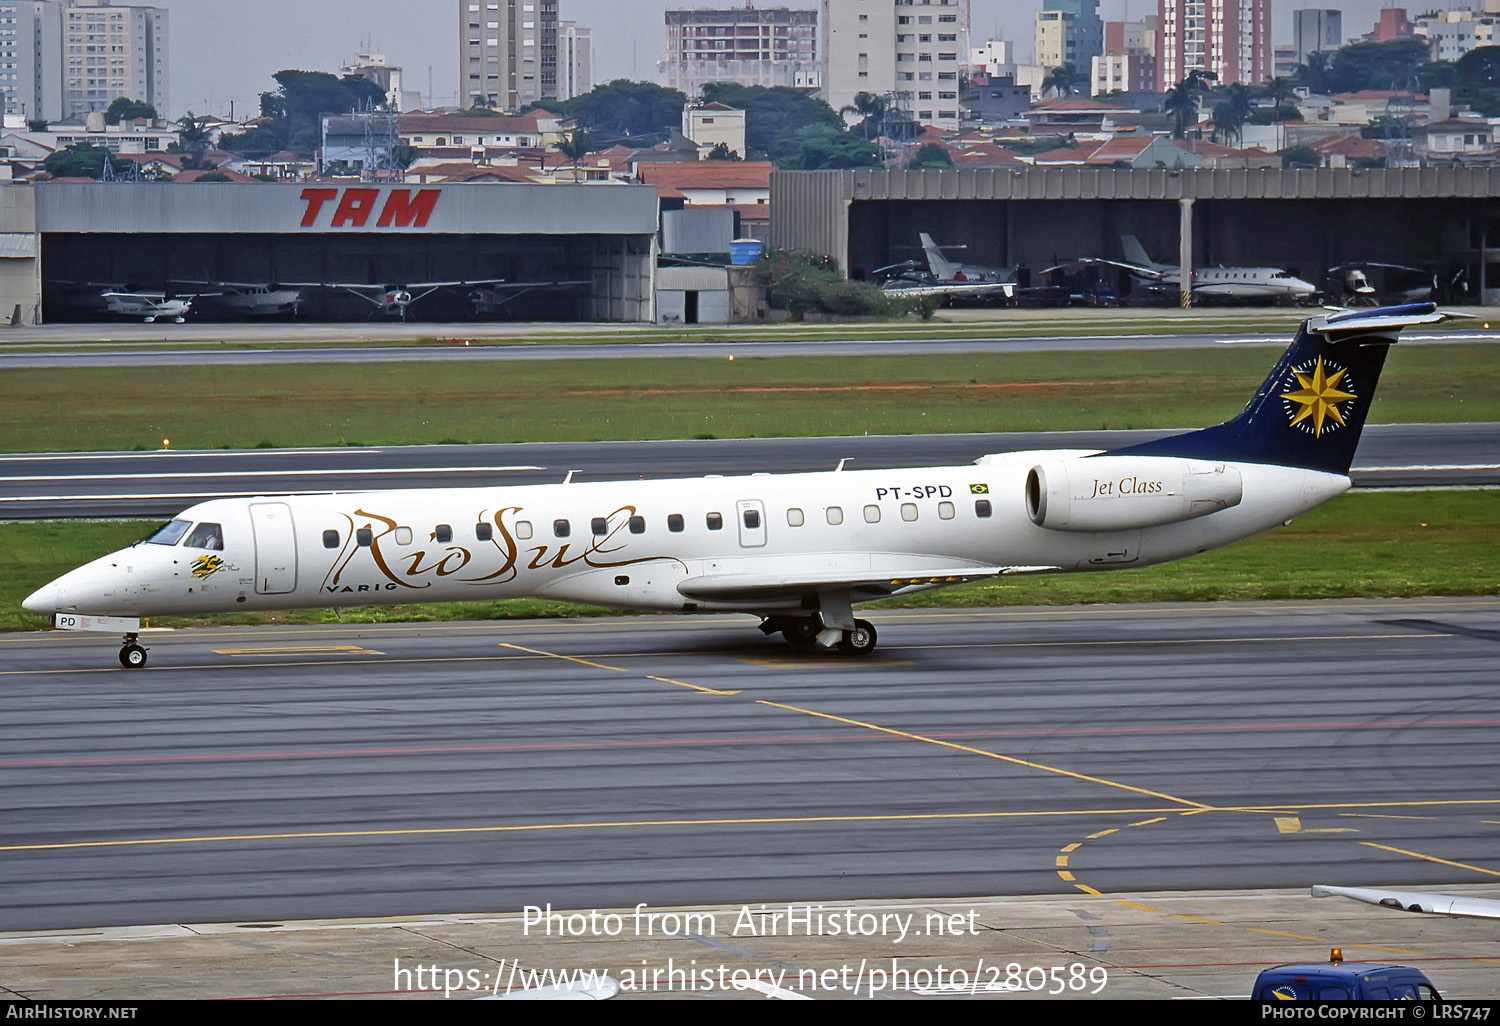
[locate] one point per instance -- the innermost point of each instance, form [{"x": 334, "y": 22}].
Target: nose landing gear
[{"x": 132, "y": 655}]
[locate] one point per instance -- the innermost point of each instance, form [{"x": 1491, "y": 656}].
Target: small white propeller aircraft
[{"x": 798, "y": 550}]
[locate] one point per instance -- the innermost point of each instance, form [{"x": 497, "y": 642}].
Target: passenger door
[{"x": 275, "y": 548}]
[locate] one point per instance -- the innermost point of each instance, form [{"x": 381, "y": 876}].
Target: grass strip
[{"x": 414, "y": 403}]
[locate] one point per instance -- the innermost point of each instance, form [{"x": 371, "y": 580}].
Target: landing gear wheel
[
  {"x": 132, "y": 657},
  {"x": 860, "y": 641},
  {"x": 801, "y": 632}
]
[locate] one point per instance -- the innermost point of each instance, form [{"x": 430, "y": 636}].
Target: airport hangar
[
  {"x": 142, "y": 235},
  {"x": 1305, "y": 220}
]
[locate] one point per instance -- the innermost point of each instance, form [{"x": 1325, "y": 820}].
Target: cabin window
[
  {"x": 170, "y": 533},
  {"x": 206, "y": 536},
  {"x": 560, "y": 528},
  {"x": 982, "y": 508},
  {"x": 523, "y": 529},
  {"x": 637, "y": 525},
  {"x": 599, "y": 525},
  {"x": 715, "y": 521},
  {"x": 330, "y": 539},
  {"x": 483, "y": 532},
  {"x": 364, "y": 537},
  {"x": 872, "y": 514},
  {"x": 908, "y": 511},
  {"x": 794, "y": 517},
  {"x": 674, "y": 522},
  {"x": 752, "y": 518},
  {"x": 443, "y": 533},
  {"x": 945, "y": 510},
  {"x": 835, "y": 515},
  {"x": 403, "y": 536}
]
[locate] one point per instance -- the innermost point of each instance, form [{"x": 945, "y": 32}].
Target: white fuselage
[
  {"x": 1242, "y": 283},
  {"x": 631, "y": 544}
]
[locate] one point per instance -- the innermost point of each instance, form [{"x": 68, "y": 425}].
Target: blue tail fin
[{"x": 1310, "y": 409}]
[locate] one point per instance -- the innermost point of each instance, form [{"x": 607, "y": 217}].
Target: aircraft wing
[
  {"x": 726, "y": 587},
  {"x": 1415, "y": 901},
  {"x": 1136, "y": 269},
  {"x": 992, "y": 288}
]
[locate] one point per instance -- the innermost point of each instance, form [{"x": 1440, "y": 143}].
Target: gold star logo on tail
[{"x": 1315, "y": 403}]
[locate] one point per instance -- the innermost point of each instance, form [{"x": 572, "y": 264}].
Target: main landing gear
[
  {"x": 132, "y": 655},
  {"x": 804, "y": 632}
]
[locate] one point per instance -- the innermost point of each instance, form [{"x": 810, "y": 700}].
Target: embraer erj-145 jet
[{"x": 799, "y": 550}]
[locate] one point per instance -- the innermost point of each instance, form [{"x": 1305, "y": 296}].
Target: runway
[
  {"x": 261, "y": 774},
  {"x": 151, "y": 484},
  {"x": 70, "y": 346}
]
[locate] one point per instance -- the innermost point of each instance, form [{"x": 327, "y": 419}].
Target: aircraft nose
[{"x": 46, "y": 599}]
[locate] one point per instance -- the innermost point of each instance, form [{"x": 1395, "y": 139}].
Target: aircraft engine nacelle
[{"x": 1125, "y": 493}]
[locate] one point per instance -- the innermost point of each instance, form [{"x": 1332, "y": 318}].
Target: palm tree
[
  {"x": 869, "y": 108},
  {"x": 1182, "y": 100},
  {"x": 1278, "y": 91},
  {"x": 1060, "y": 81},
  {"x": 1231, "y": 113}
]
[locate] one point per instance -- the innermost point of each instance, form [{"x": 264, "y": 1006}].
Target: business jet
[
  {"x": 1223, "y": 284},
  {"x": 945, "y": 278},
  {"x": 798, "y": 550}
]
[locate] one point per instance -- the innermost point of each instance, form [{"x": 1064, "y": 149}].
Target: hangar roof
[{"x": 346, "y": 208}]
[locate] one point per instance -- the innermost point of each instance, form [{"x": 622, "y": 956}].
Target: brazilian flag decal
[{"x": 979, "y": 489}]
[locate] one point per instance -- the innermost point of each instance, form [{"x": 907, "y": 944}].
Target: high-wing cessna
[
  {"x": 1415, "y": 901},
  {"x": 488, "y": 296},
  {"x": 1225, "y": 284},
  {"x": 943, "y": 277},
  {"x": 150, "y": 305},
  {"x": 252, "y": 299},
  {"x": 798, "y": 550}
]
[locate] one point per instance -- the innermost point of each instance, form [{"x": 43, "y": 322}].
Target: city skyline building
[
  {"x": 1230, "y": 39},
  {"x": 1069, "y": 32},
  {"x": 31, "y": 58},
  {"x": 753, "y": 46},
  {"x": 908, "y": 53},
  {"x": 1316, "y": 29},
  {"x": 508, "y": 52},
  {"x": 110, "y": 50}
]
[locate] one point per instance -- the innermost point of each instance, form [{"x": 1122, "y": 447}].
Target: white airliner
[
  {"x": 799, "y": 550},
  {"x": 1236, "y": 284}
]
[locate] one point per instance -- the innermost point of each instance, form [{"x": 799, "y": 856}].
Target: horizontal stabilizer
[
  {"x": 725, "y": 587},
  {"x": 1377, "y": 321}
]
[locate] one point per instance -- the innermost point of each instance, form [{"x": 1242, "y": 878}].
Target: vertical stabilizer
[
  {"x": 941, "y": 267},
  {"x": 1312, "y": 406},
  {"x": 1135, "y": 253}
]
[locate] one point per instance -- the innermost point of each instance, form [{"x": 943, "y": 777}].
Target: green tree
[
  {"x": 930, "y": 155},
  {"x": 721, "y": 151},
  {"x": 1182, "y": 100},
  {"x": 1062, "y": 81},
  {"x": 820, "y": 148},
  {"x": 869, "y": 109},
  {"x": 1300, "y": 156},
  {"x": 125, "y": 109},
  {"x": 81, "y": 160},
  {"x": 296, "y": 109},
  {"x": 1231, "y": 113},
  {"x": 773, "y": 116},
  {"x": 633, "y": 113},
  {"x": 192, "y": 142}
]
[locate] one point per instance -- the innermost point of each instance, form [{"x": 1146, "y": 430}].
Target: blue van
[{"x": 1337, "y": 980}]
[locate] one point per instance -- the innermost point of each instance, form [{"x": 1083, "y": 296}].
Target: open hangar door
[{"x": 176, "y": 264}]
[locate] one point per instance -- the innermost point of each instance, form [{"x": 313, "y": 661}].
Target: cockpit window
[
  {"x": 205, "y": 536},
  {"x": 170, "y": 533}
]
